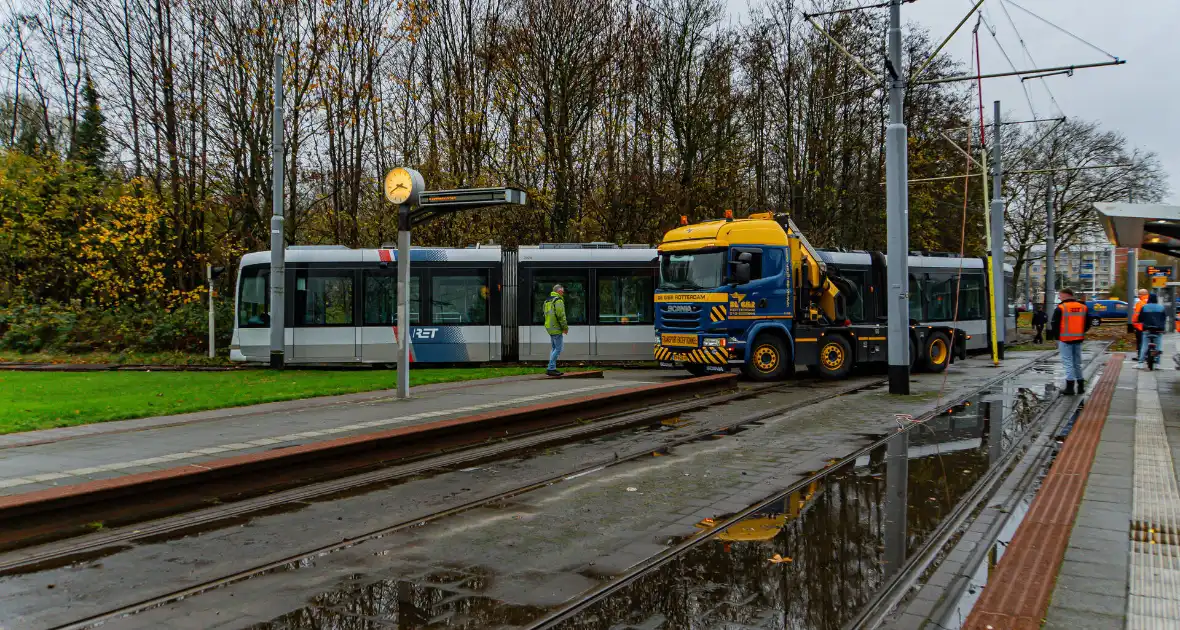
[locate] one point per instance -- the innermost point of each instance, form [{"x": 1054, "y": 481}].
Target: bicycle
[{"x": 1154, "y": 353}]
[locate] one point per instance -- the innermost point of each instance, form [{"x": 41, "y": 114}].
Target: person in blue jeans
[
  {"x": 1154, "y": 320},
  {"x": 556, "y": 326},
  {"x": 1069, "y": 326}
]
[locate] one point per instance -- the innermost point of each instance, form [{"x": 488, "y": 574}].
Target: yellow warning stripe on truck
[{"x": 708, "y": 356}]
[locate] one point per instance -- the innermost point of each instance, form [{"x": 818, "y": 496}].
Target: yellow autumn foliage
[{"x": 120, "y": 252}]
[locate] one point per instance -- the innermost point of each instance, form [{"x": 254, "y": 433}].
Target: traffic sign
[{"x": 1159, "y": 282}]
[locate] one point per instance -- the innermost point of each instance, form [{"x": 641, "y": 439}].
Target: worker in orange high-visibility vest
[
  {"x": 1133, "y": 323},
  {"x": 1069, "y": 327}
]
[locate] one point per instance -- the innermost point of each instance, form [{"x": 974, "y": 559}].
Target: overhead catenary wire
[
  {"x": 966, "y": 77},
  {"x": 1062, "y": 30},
  {"x": 1028, "y": 54},
  {"x": 1030, "y": 171},
  {"x": 880, "y": 5},
  {"x": 991, "y": 29}
]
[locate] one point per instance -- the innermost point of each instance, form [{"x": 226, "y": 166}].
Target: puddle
[{"x": 445, "y": 599}]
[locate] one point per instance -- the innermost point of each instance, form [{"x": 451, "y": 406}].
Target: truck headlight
[{"x": 712, "y": 342}]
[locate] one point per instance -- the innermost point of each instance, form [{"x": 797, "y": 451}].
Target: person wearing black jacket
[{"x": 1039, "y": 319}]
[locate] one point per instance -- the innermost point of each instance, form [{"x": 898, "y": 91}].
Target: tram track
[
  {"x": 572, "y": 609},
  {"x": 70, "y": 511},
  {"x": 56, "y": 555}
]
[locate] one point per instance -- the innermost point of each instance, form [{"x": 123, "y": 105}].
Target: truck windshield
[{"x": 695, "y": 270}]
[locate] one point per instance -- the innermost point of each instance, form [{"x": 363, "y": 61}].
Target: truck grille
[{"x": 691, "y": 320}]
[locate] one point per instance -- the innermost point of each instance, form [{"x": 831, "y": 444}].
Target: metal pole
[
  {"x": 1050, "y": 245},
  {"x": 403, "y": 301},
  {"x": 997, "y": 212},
  {"x": 896, "y": 496},
  {"x": 897, "y": 213},
  {"x": 1132, "y": 279},
  {"x": 212, "y": 324},
  {"x": 277, "y": 242},
  {"x": 1094, "y": 275},
  {"x": 1028, "y": 292}
]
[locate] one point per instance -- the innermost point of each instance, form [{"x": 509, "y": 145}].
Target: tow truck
[{"x": 753, "y": 293}]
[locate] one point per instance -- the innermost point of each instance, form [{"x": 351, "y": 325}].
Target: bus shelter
[{"x": 1153, "y": 228}]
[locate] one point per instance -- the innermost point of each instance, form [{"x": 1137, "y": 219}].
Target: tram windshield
[{"x": 692, "y": 270}]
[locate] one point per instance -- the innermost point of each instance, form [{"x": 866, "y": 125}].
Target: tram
[
  {"x": 484, "y": 304},
  {"x": 935, "y": 283}
]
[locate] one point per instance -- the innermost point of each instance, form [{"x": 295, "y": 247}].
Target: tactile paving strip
[
  {"x": 1019, "y": 589},
  {"x": 1155, "y": 519}
]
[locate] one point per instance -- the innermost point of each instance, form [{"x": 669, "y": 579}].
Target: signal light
[
  {"x": 729, "y": 214},
  {"x": 683, "y": 219}
]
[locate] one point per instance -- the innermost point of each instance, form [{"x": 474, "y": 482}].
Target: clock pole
[
  {"x": 405, "y": 188},
  {"x": 403, "y": 301}
]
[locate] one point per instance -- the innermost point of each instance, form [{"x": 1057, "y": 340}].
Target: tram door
[{"x": 325, "y": 315}]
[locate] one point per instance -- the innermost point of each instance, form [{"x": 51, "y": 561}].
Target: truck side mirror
[
  {"x": 741, "y": 268},
  {"x": 741, "y": 273}
]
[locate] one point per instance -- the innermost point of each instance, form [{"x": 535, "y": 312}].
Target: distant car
[{"x": 1102, "y": 310}]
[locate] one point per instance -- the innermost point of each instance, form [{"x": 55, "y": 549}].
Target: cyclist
[{"x": 1153, "y": 320}]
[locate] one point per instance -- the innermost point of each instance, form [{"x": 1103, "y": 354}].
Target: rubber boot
[
  {"x": 1081, "y": 385},
  {"x": 1068, "y": 389}
]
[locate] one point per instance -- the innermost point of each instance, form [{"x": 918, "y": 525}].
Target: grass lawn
[{"x": 42, "y": 400}]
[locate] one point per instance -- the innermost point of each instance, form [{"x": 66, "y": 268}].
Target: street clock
[{"x": 403, "y": 185}]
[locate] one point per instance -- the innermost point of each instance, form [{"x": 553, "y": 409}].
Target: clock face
[{"x": 399, "y": 185}]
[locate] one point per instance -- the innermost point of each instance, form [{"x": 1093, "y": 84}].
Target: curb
[{"x": 54, "y": 499}]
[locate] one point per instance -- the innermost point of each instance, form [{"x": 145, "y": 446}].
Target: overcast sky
[{"x": 1141, "y": 98}]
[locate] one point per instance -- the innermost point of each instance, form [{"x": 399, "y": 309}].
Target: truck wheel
[
  {"x": 938, "y": 352},
  {"x": 835, "y": 356},
  {"x": 768, "y": 359},
  {"x": 916, "y": 362}
]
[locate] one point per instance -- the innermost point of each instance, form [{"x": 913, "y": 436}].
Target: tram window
[
  {"x": 459, "y": 298},
  {"x": 940, "y": 297},
  {"x": 856, "y": 304},
  {"x": 576, "y": 285},
  {"x": 972, "y": 299},
  {"x": 916, "y": 299},
  {"x": 254, "y": 297},
  {"x": 625, "y": 297},
  {"x": 381, "y": 299},
  {"x": 323, "y": 298}
]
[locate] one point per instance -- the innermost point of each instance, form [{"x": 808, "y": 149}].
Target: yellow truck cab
[{"x": 753, "y": 293}]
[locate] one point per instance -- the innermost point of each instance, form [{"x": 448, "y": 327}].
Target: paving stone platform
[
  {"x": 42, "y": 460},
  {"x": 1122, "y": 565}
]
